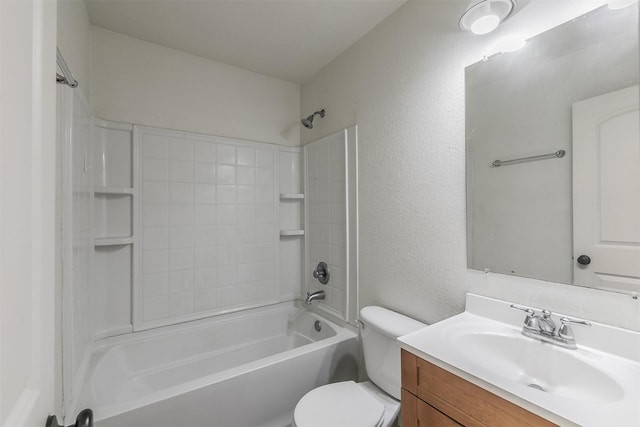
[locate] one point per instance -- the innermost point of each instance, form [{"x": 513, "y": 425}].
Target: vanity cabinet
[{"x": 434, "y": 397}]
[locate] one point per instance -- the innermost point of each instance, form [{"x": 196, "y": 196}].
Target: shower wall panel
[
  {"x": 331, "y": 211},
  {"x": 113, "y": 231},
  {"x": 209, "y": 226},
  {"x": 327, "y": 213},
  {"x": 291, "y": 213},
  {"x": 74, "y": 141}
]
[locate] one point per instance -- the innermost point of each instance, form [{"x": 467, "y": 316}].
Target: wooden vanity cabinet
[{"x": 434, "y": 397}]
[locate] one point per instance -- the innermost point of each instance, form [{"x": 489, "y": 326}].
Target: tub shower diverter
[{"x": 322, "y": 273}]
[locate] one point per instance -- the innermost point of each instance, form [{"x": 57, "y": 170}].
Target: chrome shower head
[{"x": 308, "y": 122}]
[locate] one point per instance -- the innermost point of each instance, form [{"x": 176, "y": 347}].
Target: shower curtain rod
[{"x": 66, "y": 77}]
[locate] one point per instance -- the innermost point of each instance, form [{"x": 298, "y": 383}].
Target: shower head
[{"x": 308, "y": 122}]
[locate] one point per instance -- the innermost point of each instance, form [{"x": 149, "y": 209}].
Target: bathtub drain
[{"x": 317, "y": 326}]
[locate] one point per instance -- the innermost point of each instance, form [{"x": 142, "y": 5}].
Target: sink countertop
[{"x": 612, "y": 353}]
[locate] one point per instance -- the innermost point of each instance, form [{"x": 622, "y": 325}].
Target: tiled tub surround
[{"x": 209, "y": 228}]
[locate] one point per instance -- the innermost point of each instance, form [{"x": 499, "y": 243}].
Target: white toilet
[{"x": 374, "y": 403}]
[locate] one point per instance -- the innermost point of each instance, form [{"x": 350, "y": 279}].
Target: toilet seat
[{"x": 343, "y": 404}]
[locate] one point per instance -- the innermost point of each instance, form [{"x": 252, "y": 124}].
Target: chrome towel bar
[{"x": 558, "y": 154}]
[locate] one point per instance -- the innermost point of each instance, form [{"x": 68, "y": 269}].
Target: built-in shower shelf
[
  {"x": 291, "y": 196},
  {"x": 113, "y": 190},
  {"x": 292, "y": 232},
  {"x": 113, "y": 241}
]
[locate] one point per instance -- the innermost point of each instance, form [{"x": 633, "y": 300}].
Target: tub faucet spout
[{"x": 311, "y": 296}]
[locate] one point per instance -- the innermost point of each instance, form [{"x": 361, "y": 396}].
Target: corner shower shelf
[
  {"x": 291, "y": 232},
  {"x": 291, "y": 196},
  {"x": 113, "y": 190},
  {"x": 113, "y": 241}
]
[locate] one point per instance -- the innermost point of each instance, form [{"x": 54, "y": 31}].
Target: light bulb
[{"x": 485, "y": 24}]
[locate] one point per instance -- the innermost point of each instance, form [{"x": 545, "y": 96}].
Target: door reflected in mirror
[{"x": 523, "y": 105}]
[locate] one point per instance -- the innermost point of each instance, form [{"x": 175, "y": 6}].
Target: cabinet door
[
  {"x": 467, "y": 403},
  {"x": 455, "y": 399},
  {"x": 408, "y": 409},
  {"x": 431, "y": 417},
  {"x": 416, "y": 413}
]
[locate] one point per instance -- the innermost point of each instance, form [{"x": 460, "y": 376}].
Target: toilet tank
[{"x": 381, "y": 350}]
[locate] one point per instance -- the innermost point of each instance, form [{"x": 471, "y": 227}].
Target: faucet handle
[
  {"x": 530, "y": 322},
  {"x": 322, "y": 273},
  {"x": 527, "y": 310},
  {"x": 565, "y": 330}
]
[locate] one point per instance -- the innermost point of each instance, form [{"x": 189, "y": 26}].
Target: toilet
[{"x": 374, "y": 403}]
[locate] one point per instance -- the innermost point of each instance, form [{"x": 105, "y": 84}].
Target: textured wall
[
  {"x": 137, "y": 82},
  {"x": 403, "y": 84}
]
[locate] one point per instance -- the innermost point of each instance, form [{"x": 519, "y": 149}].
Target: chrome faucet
[
  {"x": 317, "y": 295},
  {"x": 546, "y": 324},
  {"x": 542, "y": 327}
]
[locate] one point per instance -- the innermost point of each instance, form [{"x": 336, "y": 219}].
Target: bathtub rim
[
  {"x": 221, "y": 318},
  {"x": 100, "y": 349}
]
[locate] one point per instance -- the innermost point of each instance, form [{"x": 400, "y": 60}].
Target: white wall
[
  {"x": 27, "y": 211},
  {"x": 403, "y": 84},
  {"x": 74, "y": 40},
  {"x": 138, "y": 82}
]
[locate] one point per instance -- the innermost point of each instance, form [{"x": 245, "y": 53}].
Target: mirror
[{"x": 520, "y": 215}]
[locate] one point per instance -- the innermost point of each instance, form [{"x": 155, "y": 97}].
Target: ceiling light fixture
[{"x": 485, "y": 16}]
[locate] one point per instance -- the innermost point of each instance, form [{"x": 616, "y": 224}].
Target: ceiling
[{"x": 288, "y": 39}]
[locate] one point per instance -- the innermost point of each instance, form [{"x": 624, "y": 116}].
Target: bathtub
[{"x": 245, "y": 369}]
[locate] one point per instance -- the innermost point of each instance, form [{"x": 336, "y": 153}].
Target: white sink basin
[
  {"x": 541, "y": 366},
  {"x": 597, "y": 384}
]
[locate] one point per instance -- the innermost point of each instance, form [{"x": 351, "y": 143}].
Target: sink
[
  {"x": 540, "y": 366},
  {"x": 596, "y": 384}
]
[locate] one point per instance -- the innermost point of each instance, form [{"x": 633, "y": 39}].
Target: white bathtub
[{"x": 245, "y": 369}]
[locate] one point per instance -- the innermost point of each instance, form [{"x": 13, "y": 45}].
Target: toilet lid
[{"x": 343, "y": 404}]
